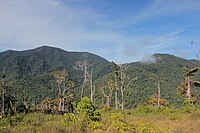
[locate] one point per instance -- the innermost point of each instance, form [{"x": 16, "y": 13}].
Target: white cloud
[
  {"x": 148, "y": 59},
  {"x": 47, "y": 22},
  {"x": 27, "y": 24}
]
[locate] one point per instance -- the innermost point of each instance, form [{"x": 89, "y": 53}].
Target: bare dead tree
[
  {"x": 122, "y": 69},
  {"x": 92, "y": 87},
  {"x": 123, "y": 78},
  {"x": 87, "y": 69},
  {"x": 158, "y": 93},
  {"x": 115, "y": 70},
  {"x": 109, "y": 93},
  {"x": 82, "y": 66}
]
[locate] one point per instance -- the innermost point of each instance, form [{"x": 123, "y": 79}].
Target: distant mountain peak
[
  {"x": 164, "y": 56},
  {"x": 47, "y": 47}
]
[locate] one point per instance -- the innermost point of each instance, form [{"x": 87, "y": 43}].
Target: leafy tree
[
  {"x": 8, "y": 101},
  {"x": 87, "y": 107}
]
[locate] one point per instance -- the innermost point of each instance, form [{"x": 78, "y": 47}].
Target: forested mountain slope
[
  {"x": 167, "y": 69},
  {"x": 28, "y": 75},
  {"x": 28, "y": 72}
]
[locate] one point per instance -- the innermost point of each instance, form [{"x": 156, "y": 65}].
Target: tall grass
[{"x": 144, "y": 119}]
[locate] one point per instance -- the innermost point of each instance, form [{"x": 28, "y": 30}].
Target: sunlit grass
[{"x": 160, "y": 120}]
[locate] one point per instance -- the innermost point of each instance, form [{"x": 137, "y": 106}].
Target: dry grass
[{"x": 115, "y": 121}]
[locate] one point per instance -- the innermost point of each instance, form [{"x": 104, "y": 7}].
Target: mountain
[
  {"x": 167, "y": 69},
  {"x": 28, "y": 74},
  {"x": 29, "y": 71}
]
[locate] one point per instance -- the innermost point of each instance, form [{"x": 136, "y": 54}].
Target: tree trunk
[
  {"x": 158, "y": 93},
  {"x": 63, "y": 104},
  {"x": 122, "y": 91},
  {"x": 122, "y": 100},
  {"x": 116, "y": 100},
  {"x": 116, "y": 89},
  {"x": 91, "y": 90},
  {"x": 60, "y": 104},
  {"x": 107, "y": 96},
  {"x": 82, "y": 88},
  {"x": 85, "y": 79},
  {"x": 188, "y": 90}
]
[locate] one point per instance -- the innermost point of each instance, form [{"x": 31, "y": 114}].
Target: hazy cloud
[{"x": 148, "y": 59}]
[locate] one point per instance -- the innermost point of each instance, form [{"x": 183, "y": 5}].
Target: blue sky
[{"x": 118, "y": 30}]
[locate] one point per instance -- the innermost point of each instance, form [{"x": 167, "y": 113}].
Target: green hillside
[
  {"x": 167, "y": 69},
  {"x": 28, "y": 75},
  {"x": 28, "y": 72}
]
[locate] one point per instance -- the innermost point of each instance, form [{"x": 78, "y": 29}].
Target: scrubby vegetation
[
  {"x": 144, "y": 119},
  {"x": 89, "y": 94}
]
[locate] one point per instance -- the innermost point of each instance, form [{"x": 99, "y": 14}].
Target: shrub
[
  {"x": 149, "y": 128},
  {"x": 187, "y": 107},
  {"x": 105, "y": 108},
  {"x": 120, "y": 125},
  {"x": 69, "y": 118},
  {"x": 145, "y": 109},
  {"x": 86, "y": 107},
  {"x": 95, "y": 126}
]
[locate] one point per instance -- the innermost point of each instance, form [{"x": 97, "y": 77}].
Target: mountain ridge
[
  {"x": 29, "y": 71},
  {"x": 26, "y": 69}
]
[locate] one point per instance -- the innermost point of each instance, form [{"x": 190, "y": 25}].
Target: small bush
[
  {"x": 105, "y": 108},
  {"x": 86, "y": 107},
  {"x": 11, "y": 120},
  {"x": 69, "y": 118},
  {"x": 187, "y": 107},
  {"x": 145, "y": 109},
  {"x": 149, "y": 128},
  {"x": 95, "y": 125},
  {"x": 120, "y": 125}
]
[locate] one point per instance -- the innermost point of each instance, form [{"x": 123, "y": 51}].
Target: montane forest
[
  {"x": 99, "y": 66},
  {"x": 48, "y": 89}
]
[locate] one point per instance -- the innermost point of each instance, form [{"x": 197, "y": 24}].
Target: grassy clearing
[{"x": 144, "y": 119}]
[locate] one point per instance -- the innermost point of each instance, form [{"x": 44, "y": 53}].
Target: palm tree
[{"x": 188, "y": 74}]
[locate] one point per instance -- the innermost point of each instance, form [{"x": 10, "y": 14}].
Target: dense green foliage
[
  {"x": 168, "y": 70},
  {"x": 87, "y": 108},
  {"x": 28, "y": 73}
]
